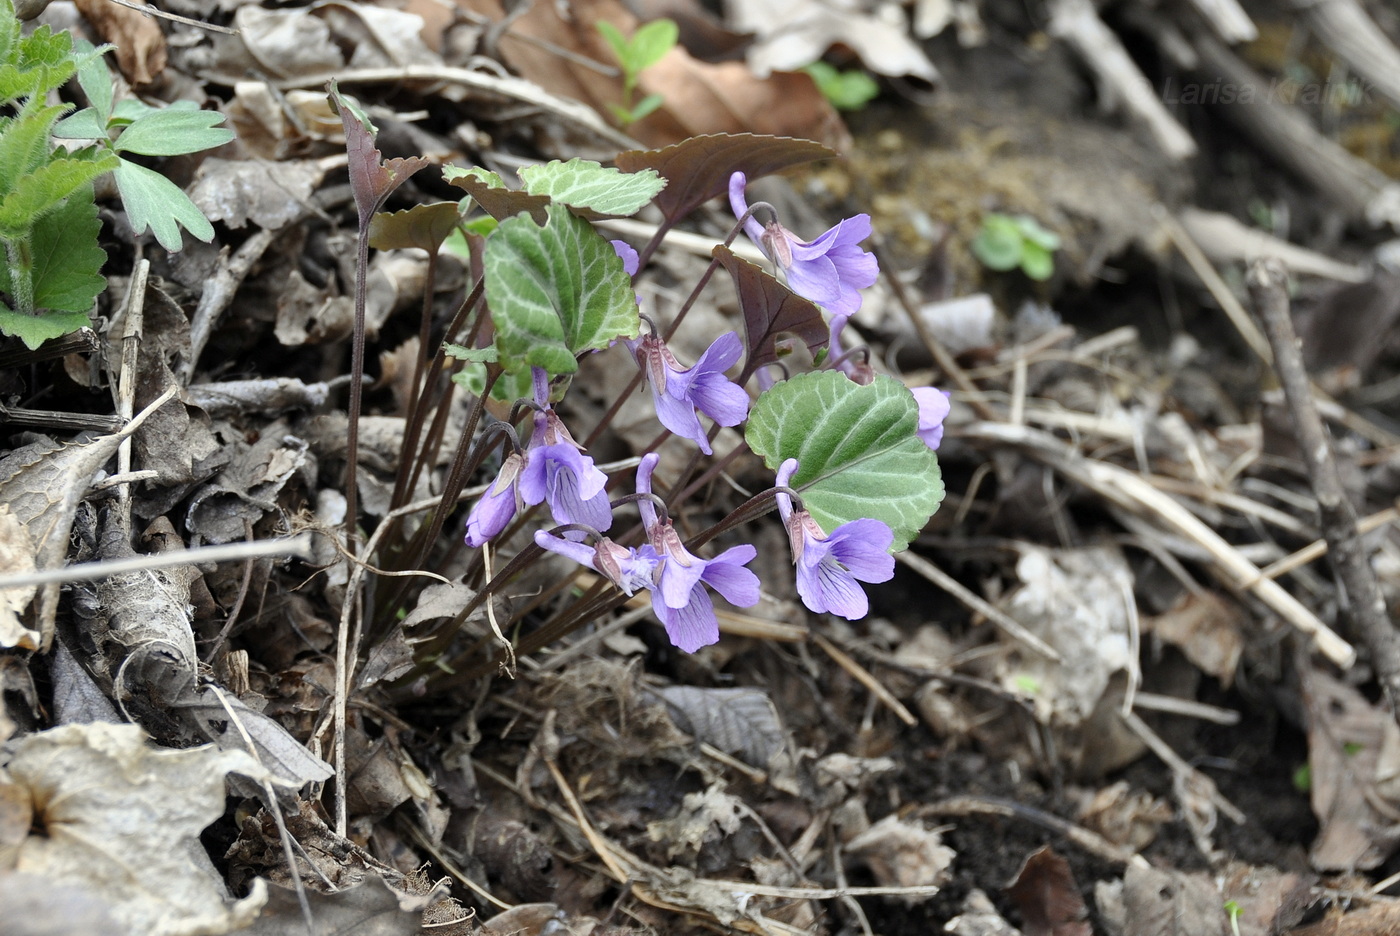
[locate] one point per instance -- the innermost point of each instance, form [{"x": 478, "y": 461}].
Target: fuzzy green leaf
[
  {"x": 67, "y": 259},
  {"x": 857, "y": 450},
  {"x": 583, "y": 183},
  {"x": 34, "y": 330},
  {"x": 998, "y": 245},
  {"x": 178, "y": 129},
  {"x": 153, "y": 201},
  {"x": 42, "y": 190},
  {"x": 1036, "y": 261},
  {"x": 555, "y": 291},
  {"x": 24, "y": 143}
]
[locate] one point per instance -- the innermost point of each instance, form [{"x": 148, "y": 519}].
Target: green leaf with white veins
[
  {"x": 555, "y": 291},
  {"x": 857, "y": 450},
  {"x": 582, "y": 183},
  {"x": 153, "y": 201},
  {"x": 178, "y": 129}
]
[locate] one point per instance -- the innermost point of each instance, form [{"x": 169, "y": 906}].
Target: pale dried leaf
[
  {"x": 1075, "y": 601},
  {"x": 33, "y": 905},
  {"x": 1170, "y": 903},
  {"x": 794, "y": 33},
  {"x": 900, "y": 853},
  {"x": 42, "y": 484},
  {"x": 703, "y": 817},
  {"x": 16, "y": 558},
  {"x": 1206, "y": 627},
  {"x": 270, "y": 194},
  {"x": 737, "y": 721},
  {"x": 123, "y": 819},
  {"x": 1346, "y": 734}
]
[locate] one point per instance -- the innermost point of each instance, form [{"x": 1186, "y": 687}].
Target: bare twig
[
  {"x": 1268, "y": 289},
  {"x": 298, "y": 546}
]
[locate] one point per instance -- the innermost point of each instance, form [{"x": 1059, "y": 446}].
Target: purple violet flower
[
  {"x": 830, "y": 270},
  {"x": 498, "y": 505},
  {"x": 630, "y": 260},
  {"x": 551, "y": 469},
  {"x": 678, "y": 392},
  {"x": 629, "y": 569},
  {"x": 557, "y": 472},
  {"x": 828, "y": 567},
  {"x": 679, "y": 598},
  {"x": 933, "y": 409}
]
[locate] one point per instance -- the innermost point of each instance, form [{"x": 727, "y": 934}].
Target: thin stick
[
  {"x": 150, "y": 9},
  {"x": 866, "y": 679},
  {"x": 126, "y": 397},
  {"x": 973, "y": 601},
  {"x": 295, "y": 546},
  {"x": 1268, "y": 289}
]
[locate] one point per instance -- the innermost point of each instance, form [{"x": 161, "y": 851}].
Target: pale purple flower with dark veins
[
  {"x": 678, "y": 391},
  {"x": 552, "y": 468},
  {"x": 679, "y": 598},
  {"x": 828, "y": 567},
  {"x": 498, "y": 505},
  {"x": 830, "y": 270},
  {"x": 933, "y": 410},
  {"x": 556, "y": 471}
]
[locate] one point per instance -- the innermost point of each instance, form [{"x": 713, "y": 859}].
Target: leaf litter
[{"x": 1119, "y": 495}]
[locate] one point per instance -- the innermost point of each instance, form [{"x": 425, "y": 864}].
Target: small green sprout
[
  {"x": 1007, "y": 242},
  {"x": 1302, "y": 778},
  {"x": 1233, "y": 911},
  {"x": 647, "y": 46},
  {"x": 846, "y": 90}
]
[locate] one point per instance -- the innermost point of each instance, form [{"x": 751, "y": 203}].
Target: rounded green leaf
[
  {"x": 555, "y": 291},
  {"x": 856, "y": 447},
  {"x": 583, "y": 183}
]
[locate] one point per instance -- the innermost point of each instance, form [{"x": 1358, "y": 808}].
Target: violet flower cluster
[{"x": 553, "y": 469}]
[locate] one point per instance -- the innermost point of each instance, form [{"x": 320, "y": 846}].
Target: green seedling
[
  {"x": 1233, "y": 911},
  {"x": 52, "y": 267},
  {"x": 846, "y": 90},
  {"x": 1007, "y": 242},
  {"x": 647, "y": 46}
]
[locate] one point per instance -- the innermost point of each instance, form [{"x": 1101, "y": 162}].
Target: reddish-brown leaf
[
  {"x": 371, "y": 179},
  {"x": 698, "y": 169},
  {"x": 770, "y": 309},
  {"x": 1048, "y": 897},
  {"x": 422, "y": 226},
  {"x": 501, "y": 203}
]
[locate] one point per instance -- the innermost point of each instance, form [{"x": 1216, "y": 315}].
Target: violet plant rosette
[
  {"x": 831, "y": 270},
  {"x": 830, "y": 567}
]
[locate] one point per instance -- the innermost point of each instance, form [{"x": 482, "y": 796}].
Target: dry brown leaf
[
  {"x": 699, "y": 97},
  {"x": 1048, "y": 897},
  {"x": 1205, "y": 626},
  {"x": 138, "y": 38},
  {"x": 1346, "y": 735},
  {"x": 1160, "y": 902}
]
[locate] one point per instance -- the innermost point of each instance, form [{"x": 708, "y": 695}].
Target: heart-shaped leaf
[
  {"x": 856, "y": 447},
  {"x": 422, "y": 226},
  {"x": 555, "y": 291}
]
